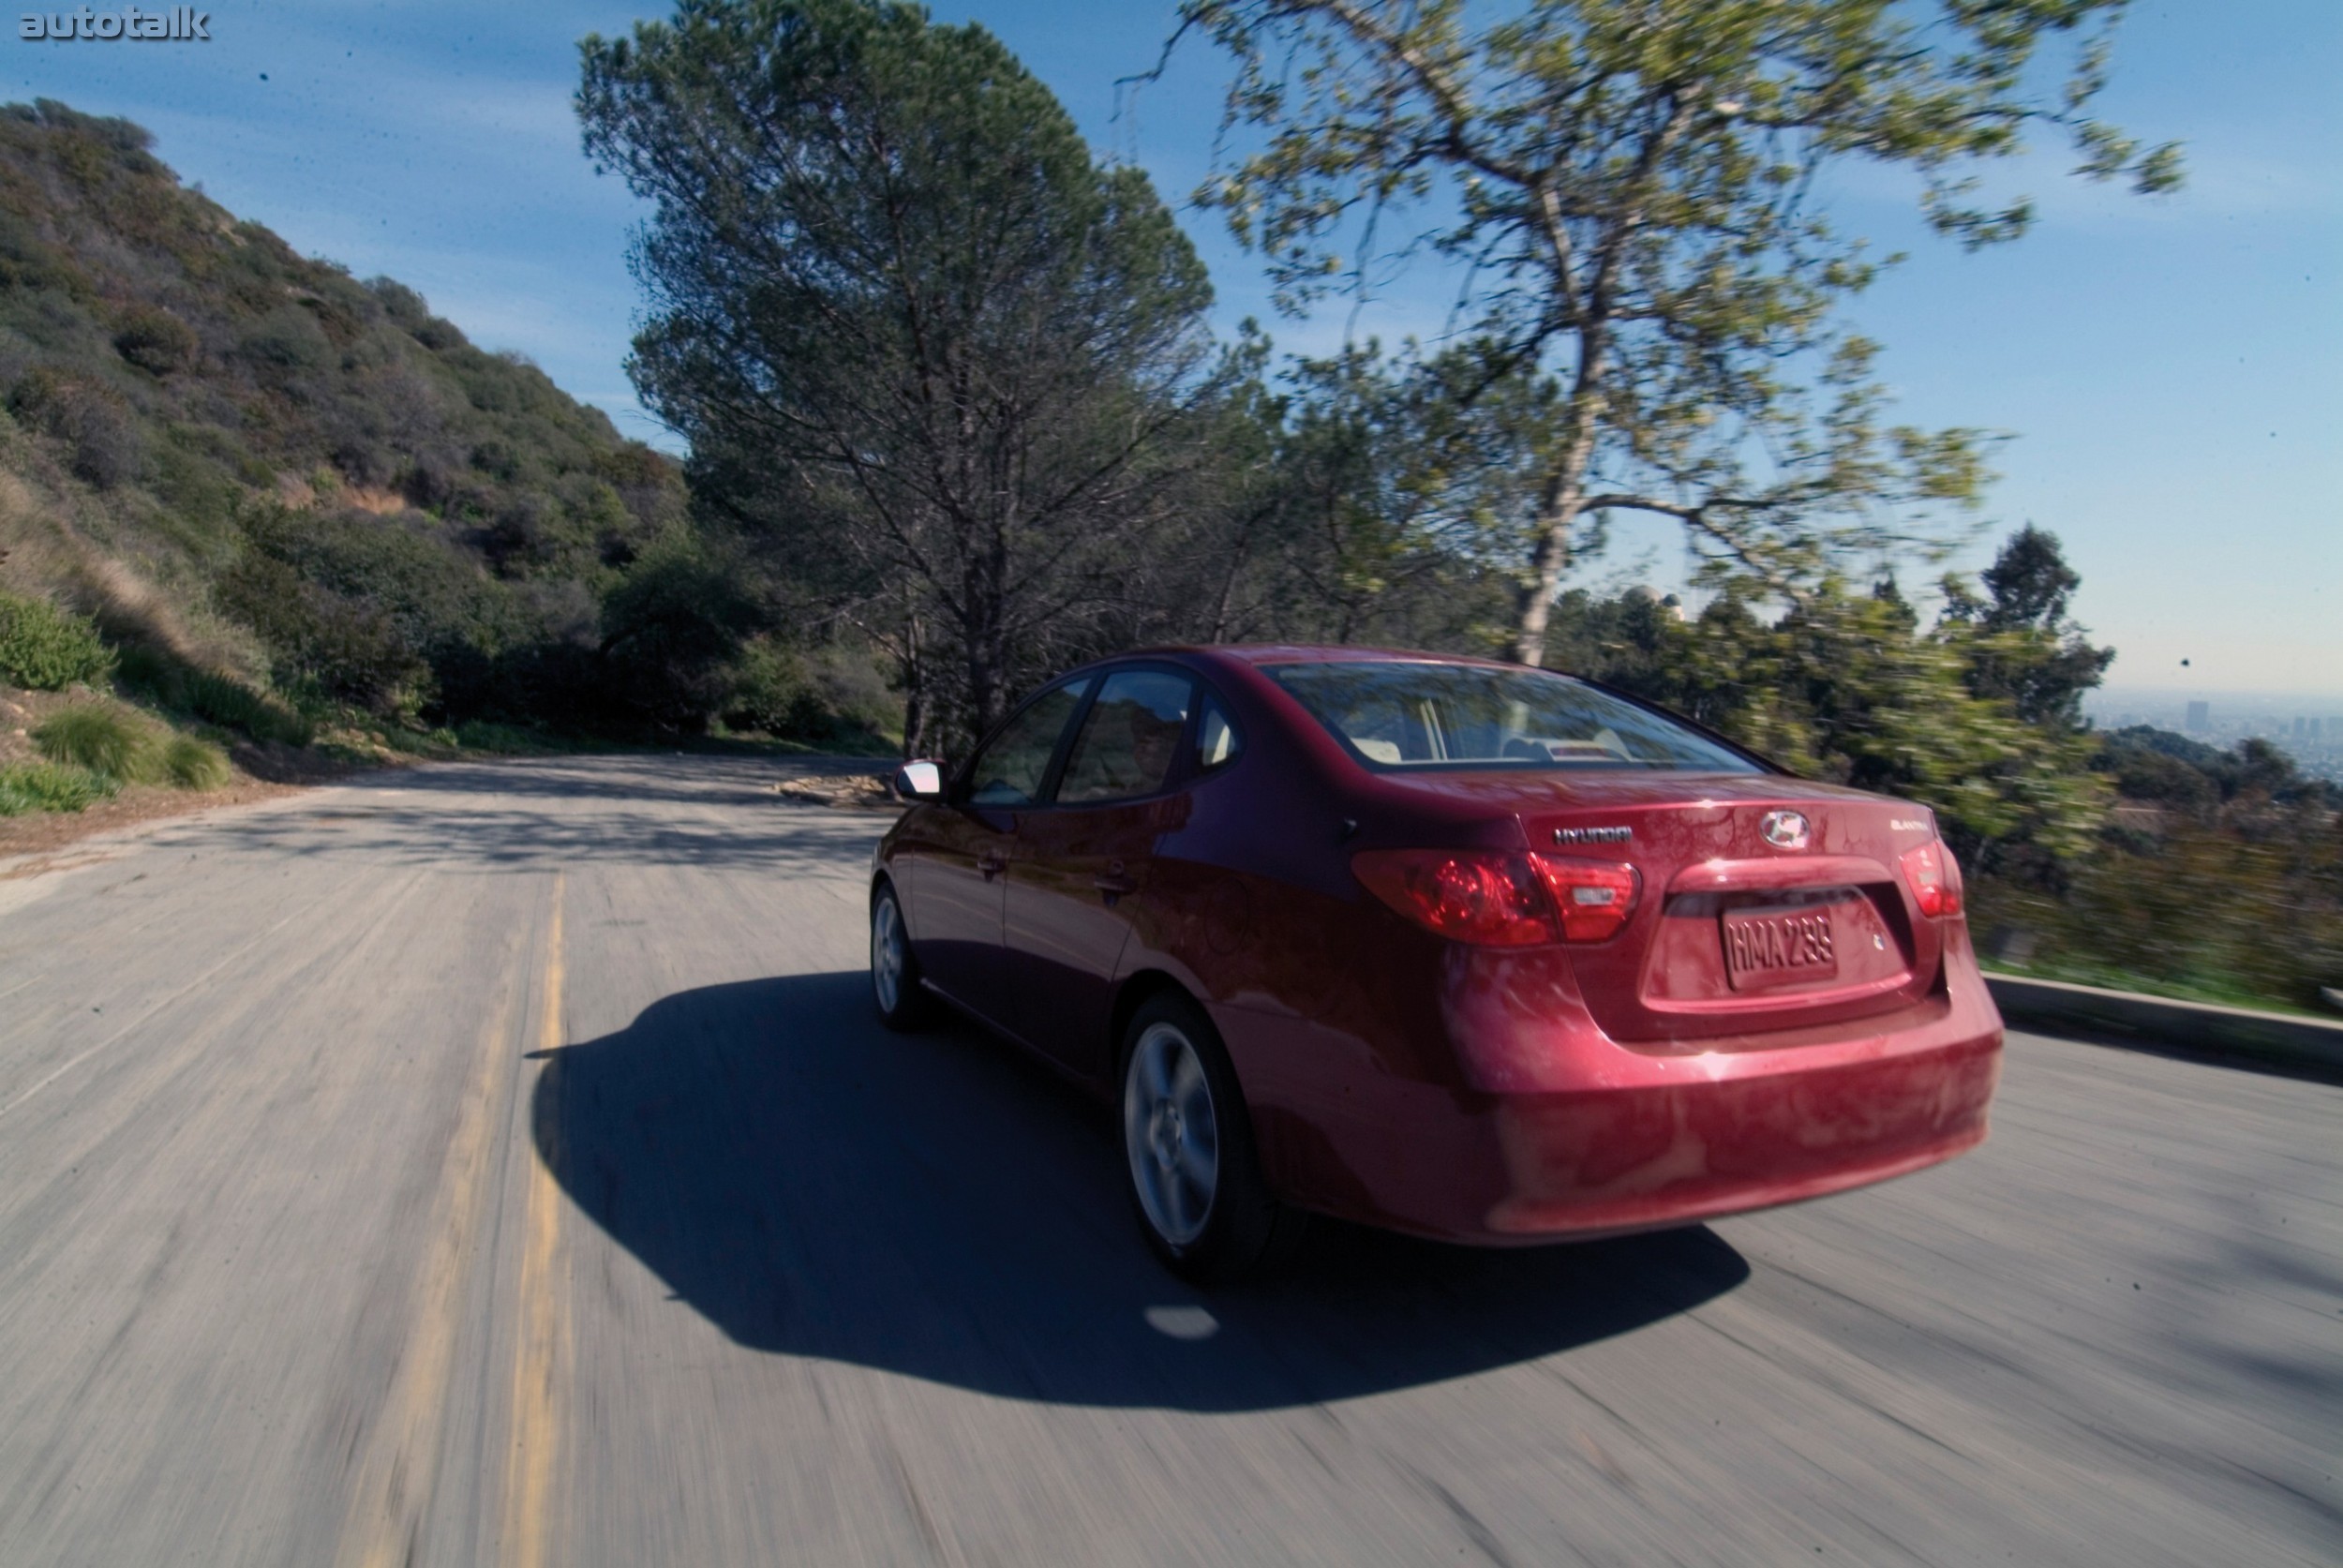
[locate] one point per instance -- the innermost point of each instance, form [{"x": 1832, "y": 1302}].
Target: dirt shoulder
[
  {"x": 259, "y": 773},
  {"x": 38, "y": 833}
]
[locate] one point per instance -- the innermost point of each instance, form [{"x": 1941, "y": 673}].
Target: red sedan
[{"x": 1460, "y": 949}]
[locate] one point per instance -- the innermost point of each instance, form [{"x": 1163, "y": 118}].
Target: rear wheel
[
  {"x": 902, "y": 1001},
  {"x": 1187, "y": 1146}
]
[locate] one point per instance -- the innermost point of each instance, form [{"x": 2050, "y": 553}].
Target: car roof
[{"x": 1299, "y": 653}]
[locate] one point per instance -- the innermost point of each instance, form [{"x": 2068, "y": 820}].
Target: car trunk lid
[
  {"x": 1768, "y": 902},
  {"x": 1737, "y": 930}
]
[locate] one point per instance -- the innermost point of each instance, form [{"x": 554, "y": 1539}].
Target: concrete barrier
[{"x": 2271, "y": 1037}]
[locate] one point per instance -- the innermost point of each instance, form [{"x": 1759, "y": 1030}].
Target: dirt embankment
[{"x": 258, "y": 773}]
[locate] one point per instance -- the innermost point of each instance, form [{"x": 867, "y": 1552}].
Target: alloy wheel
[
  {"x": 1171, "y": 1133},
  {"x": 886, "y": 952}
]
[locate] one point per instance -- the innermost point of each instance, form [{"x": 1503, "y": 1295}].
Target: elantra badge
[{"x": 1784, "y": 830}]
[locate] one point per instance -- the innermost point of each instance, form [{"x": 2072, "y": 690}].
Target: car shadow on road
[{"x": 937, "y": 1205}]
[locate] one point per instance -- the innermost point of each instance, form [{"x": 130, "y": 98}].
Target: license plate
[{"x": 1778, "y": 946}]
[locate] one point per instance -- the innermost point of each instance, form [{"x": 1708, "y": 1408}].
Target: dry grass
[{"x": 380, "y": 503}]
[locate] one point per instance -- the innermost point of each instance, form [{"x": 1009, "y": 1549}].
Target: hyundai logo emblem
[{"x": 1784, "y": 830}]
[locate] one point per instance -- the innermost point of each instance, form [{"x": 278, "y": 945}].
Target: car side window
[
  {"x": 1217, "y": 740},
  {"x": 1008, "y": 773},
  {"x": 1130, "y": 739}
]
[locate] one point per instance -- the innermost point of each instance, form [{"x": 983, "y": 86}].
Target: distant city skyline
[
  {"x": 2167, "y": 367},
  {"x": 2306, "y": 725}
]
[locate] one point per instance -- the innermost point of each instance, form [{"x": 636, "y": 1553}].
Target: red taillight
[
  {"x": 1593, "y": 898},
  {"x": 1500, "y": 899},
  {"x": 1935, "y": 877},
  {"x": 1469, "y": 895}
]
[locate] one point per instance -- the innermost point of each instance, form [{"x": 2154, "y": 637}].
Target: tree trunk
[
  {"x": 914, "y": 691},
  {"x": 1227, "y": 585},
  {"x": 1557, "y": 513},
  {"x": 983, "y": 634}
]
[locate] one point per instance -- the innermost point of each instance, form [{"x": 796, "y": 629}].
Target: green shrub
[
  {"x": 671, "y": 630},
  {"x": 2218, "y": 912},
  {"x": 482, "y": 735},
  {"x": 153, "y": 674},
  {"x": 157, "y": 341},
  {"x": 287, "y": 340},
  {"x": 95, "y": 739},
  {"x": 230, "y": 703},
  {"x": 44, "y": 786},
  {"x": 402, "y": 304},
  {"x": 825, "y": 696},
  {"x": 187, "y": 763},
  {"x": 771, "y": 690},
  {"x": 44, "y": 647},
  {"x": 103, "y": 441}
]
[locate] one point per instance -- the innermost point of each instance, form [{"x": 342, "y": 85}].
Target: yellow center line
[
  {"x": 395, "y": 1480},
  {"x": 539, "y": 1368}
]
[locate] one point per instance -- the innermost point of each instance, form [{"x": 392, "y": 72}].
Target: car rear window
[{"x": 1406, "y": 714}]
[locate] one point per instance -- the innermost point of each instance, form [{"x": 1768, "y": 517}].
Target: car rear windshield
[{"x": 1402, "y": 714}]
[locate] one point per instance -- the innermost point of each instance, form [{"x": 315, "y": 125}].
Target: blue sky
[{"x": 2173, "y": 369}]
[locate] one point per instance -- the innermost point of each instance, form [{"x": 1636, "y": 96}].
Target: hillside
[{"x": 255, "y": 470}]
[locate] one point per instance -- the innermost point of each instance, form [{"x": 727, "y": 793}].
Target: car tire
[
  {"x": 902, "y": 1002},
  {"x": 1189, "y": 1161}
]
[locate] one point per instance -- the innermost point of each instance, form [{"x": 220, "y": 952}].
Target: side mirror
[{"x": 919, "y": 781}]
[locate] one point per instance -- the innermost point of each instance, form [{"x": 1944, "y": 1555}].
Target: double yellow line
[
  {"x": 390, "y": 1500},
  {"x": 542, "y": 1367}
]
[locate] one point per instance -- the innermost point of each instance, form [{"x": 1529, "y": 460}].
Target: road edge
[{"x": 2279, "y": 1040}]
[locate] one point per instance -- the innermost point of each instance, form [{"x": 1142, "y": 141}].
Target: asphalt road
[{"x": 501, "y": 1165}]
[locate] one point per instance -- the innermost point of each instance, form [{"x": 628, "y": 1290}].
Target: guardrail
[{"x": 2281, "y": 1038}]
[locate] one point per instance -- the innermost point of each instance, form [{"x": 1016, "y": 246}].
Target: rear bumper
[
  {"x": 1607, "y": 1161},
  {"x": 1615, "y": 1138}
]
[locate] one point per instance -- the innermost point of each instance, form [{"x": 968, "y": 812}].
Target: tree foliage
[
  {"x": 2222, "y": 873},
  {"x": 1353, "y": 513},
  {"x": 908, "y": 324},
  {"x": 2021, "y": 643},
  {"x": 1628, "y": 190},
  {"x": 1847, "y": 685}
]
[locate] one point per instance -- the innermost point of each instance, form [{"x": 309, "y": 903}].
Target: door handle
[
  {"x": 1113, "y": 884},
  {"x": 991, "y": 865}
]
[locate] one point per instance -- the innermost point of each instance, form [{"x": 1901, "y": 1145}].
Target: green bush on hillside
[
  {"x": 820, "y": 696},
  {"x": 103, "y": 441},
  {"x": 88, "y": 741},
  {"x": 230, "y": 703},
  {"x": 671, "y": 628},
  {"x": 288, "y": 339},
  {"x": 157, "y": 341},
  {"x": 316, "y": 470},
  {"x": 95, "y": 739},
  {"x": 46, "y": 648},
  {"x": 2222, "y": 912},
  {"x": 44, "y": 786},
  {"x": 482, "y": 735},
  {"x": 350, "y": 649},
  {"x": 771, "y": 690},
  {"x": 187, "y": 763}
]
